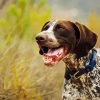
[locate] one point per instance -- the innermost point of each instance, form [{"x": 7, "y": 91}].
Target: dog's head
[{"x": 60, "y": 37}]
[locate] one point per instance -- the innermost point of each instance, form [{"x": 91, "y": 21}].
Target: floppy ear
[
  {"x": 86, "y": 39},
  {"x": 44, "y": 25}
]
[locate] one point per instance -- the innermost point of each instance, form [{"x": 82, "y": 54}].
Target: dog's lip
[
  {"x": 53, "y": 55},
  {"x": 43, "y": 46},
  {"x": 44, "y": 49},
  {"x": 40, "y": 42}
]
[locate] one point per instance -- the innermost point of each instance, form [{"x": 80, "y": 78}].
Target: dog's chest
[{"x": 87, "y": 86}]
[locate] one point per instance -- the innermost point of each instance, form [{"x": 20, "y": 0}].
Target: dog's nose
[{"x": 41, "y": 38}]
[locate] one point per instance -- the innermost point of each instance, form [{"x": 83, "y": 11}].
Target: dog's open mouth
[{"x": 54, "y": 55}]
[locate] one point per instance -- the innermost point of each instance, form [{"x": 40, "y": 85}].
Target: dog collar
[{"x": 87, "y": 68}]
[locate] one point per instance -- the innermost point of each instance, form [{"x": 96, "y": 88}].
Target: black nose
[{"x": 41, "y": 38}]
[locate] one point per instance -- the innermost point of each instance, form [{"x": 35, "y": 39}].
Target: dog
[{"x": 73, "y": 43}]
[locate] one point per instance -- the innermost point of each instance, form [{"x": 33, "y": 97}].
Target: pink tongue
[{"x": 53, "y": 56}]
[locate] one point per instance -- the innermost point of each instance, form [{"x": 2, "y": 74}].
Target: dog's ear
[
  {"x": 86, "y": 39},
  {"x": 44, "y": 25}
]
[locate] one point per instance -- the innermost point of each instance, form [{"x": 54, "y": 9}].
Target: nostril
[{"x": 40, "y": 38}]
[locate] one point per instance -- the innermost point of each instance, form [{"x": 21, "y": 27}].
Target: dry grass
[
  {"x": 24, "y": 76},
  {"x": 94, "y": 24}
]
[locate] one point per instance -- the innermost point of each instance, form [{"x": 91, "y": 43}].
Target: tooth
[{"x": 50, "y": 59}]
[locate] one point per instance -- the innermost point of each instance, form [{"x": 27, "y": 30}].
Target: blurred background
[{"x": 23, "y": 75}]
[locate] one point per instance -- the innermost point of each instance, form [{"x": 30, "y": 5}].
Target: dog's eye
[
  {"x": 46, "y": 27},
  {"x": 58, "y": 26}
]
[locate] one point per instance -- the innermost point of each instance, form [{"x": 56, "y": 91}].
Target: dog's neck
[{"x": 74, "y": 63}]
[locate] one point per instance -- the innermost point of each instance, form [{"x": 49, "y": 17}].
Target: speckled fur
[{"x": 86, "y": 87}]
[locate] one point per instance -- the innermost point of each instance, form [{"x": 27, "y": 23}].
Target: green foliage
[{"x": 24, "y": 19}]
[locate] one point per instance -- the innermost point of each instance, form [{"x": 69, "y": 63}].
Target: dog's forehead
[
  {"x": 63, "y": 22},
  {"x": 53, "y": 23},
  {"x": 59, "y": 21}
]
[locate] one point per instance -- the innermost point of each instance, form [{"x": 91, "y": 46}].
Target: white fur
[{"x": 50, "y": 34}]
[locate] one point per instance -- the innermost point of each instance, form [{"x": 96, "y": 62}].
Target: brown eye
[{"x": 58, "y": 26}]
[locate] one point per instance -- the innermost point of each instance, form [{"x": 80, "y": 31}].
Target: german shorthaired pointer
[{"x": 73, "y": 43}]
